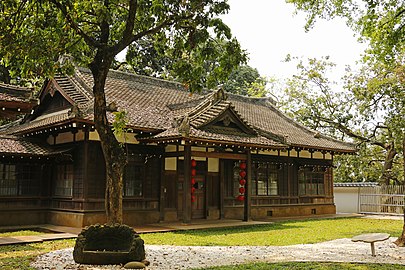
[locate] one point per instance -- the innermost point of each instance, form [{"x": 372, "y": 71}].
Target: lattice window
[
  {"x": 28, "y": 179},
  {"x": 8, "y": 180},
  {"x": 133, "y": 176},
  {"x": 265, "y": 179},
  {"x": 311, "y": 180},
  {"x": 64, "y": 180}
]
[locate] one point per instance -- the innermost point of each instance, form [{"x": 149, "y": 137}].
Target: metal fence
[{"x": 382, "y": 200}]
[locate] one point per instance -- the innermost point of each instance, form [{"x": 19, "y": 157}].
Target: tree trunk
[
  {"x": 4, "y": 74},
  {"x": 386, "y": 175},
  {"x": 114, "y": 155},
  {"x": 401, "y": 240}
]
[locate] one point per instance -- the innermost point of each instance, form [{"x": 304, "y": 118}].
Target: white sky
[{"x": 269, "y": 31}]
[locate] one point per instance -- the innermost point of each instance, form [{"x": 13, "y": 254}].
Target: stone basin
[{"x": 108, "y": 244}]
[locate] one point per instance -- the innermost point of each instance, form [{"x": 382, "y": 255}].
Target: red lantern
[
  {"x": 193, "y": 172},
  {"x": 242, "y": 174},
  {"x": 193, "y": 163},
  {"x": 242, "y": 166},
  {"x": 241, "y": 198},
  {"x": 193, "y": 198},
  {"x": 192, "y": 189},
  {"x": 242, "y": 190},
  {"x": 242, "y": 182},
  {"x": 192, "y": 181}
]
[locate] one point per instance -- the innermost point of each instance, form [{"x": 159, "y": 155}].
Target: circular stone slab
[{"x": 134, "y": 265}]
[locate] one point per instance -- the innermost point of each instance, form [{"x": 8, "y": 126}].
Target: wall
[{"x": 347, "y": 199}]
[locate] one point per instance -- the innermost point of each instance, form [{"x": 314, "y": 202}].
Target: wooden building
[{"x": 209, "y": 155}]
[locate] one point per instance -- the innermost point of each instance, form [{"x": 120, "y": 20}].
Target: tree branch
[
  {"x": 126, "y": 41},
  {"x": 351, "y": 134},
  {"x": 88, "y": 39}
]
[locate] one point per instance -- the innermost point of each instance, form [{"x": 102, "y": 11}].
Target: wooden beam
[{"x": 223, "y": 155}]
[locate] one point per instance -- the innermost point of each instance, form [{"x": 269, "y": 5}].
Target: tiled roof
[
  {"x": 156, "y": 104},
  {"x": 267, "y": 117},
  {"x": 14, "y": 145},
  {"x": 14, "y": 93},
  {"x": 356, "y": 184},
  {"x": 213, "y": 135},
  {"x": 40, "y": 122},
  {"x": 74, "y": 89}
]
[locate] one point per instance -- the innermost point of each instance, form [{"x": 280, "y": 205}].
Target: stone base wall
[
  {"x": 170, "y": 216},
  {"x": 213, "y": 214},
  {"x": 22, "y": 217},
  {"x": 72, "y": 219},
  {"x": 233, "y": 212},
  {"x": 133, "y": 217},
  {"x": 264, "y": 212}
]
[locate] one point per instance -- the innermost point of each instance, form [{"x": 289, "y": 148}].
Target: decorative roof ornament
[
  {"x": 75, "y": 111},
  {"x": 112, "y": 107},
  {"x": 184, "y": 127}
]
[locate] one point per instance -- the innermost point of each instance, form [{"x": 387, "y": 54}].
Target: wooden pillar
[
  {"x": 86, "y": 169},
  {"x": 247, "y": 208},
  {"x": 162, "y": 192},
  {"x": 221, "y": 188},
  {"x": 187, "y": 184}
]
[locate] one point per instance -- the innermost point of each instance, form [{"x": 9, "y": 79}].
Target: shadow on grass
[
  {"x": 237, "y": 230},
  {"x": 275, "y": 226}
]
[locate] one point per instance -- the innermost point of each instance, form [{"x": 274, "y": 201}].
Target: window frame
[
  {"x": 22, "y": 181},
  {"x": 65, "y": 183},
  {"x": 311, "y": 181},
  {"x": 142, "y": 173},
  {"x": 271, "y": 177}
]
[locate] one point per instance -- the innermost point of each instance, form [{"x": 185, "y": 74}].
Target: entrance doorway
[{"x": 198, "y": 203}]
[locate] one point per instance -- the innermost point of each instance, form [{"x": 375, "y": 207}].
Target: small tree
[{"x": 33, "y": 34}]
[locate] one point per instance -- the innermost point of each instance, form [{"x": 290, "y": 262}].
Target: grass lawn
[
  {"x": 280, "y": 233},
  {"x": 13, "y": 257},
  {"x": 21, "y": 233},
  {"x": 309, "y": 265}
]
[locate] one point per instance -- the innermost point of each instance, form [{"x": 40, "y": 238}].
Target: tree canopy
[
  {"x": 350, "y": 113},
  {"x": 246, "y": 81},
  {"x": 382, "y": 23}
]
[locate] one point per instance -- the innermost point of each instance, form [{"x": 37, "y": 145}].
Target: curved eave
[
  {"x": 69, "y": 123},
  {"x": 209, "y": 143},
  {"x": 324, "y": 149},
  {"x": 25, "y": 155}
]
